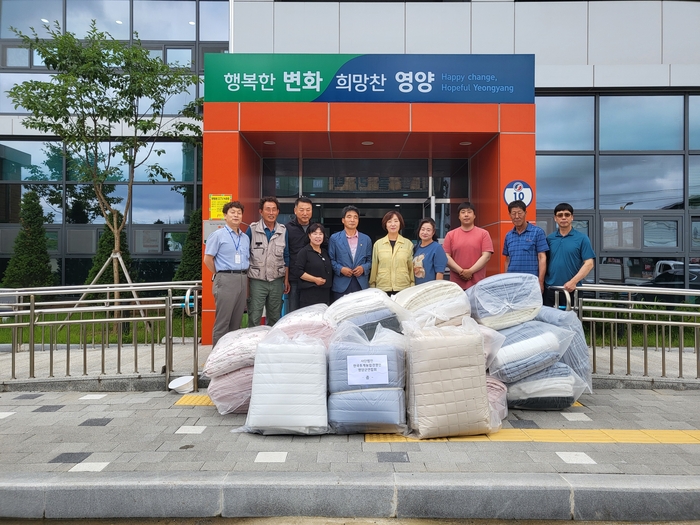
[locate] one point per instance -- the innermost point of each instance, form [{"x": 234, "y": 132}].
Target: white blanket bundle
[
  {"x": 505, "y": 300},
  {"x": 231, "y": 392},
  {"x": 439, "y": 302},
  {"x": 234, "y": 350},
  {"x": 309, "y": 321},
  {"x": 289, "y": 387},
  {"x": 447, "y": 382}
]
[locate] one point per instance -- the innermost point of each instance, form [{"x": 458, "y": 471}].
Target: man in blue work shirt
[
  {"x": 269, "y": 264},
  {"x": 526, "y": 245},
  {"x": 227, "y": 256},
  {"x": 571, "y": 256}
]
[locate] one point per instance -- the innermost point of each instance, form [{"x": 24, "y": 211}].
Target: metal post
[
  {"x": 168, "y": 340},
  {"x": 31, "y": 336},
  {"x": 195, "y": 331}
]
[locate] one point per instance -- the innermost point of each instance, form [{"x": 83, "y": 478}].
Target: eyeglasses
[
  {"x": 563, "y": 214},
  {"x": 517, "y": 213}
]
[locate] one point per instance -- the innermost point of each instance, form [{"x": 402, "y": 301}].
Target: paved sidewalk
[{"x": 139, "y": 454}]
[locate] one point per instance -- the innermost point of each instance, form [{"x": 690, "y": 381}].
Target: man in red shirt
[{"x": 468, "y": 249}]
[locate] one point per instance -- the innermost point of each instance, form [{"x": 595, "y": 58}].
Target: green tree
[
  {"x": 190, "y": 268},
  {"x": 104, "y": 252},
  {"x": 98, "y": 84},
  {"x": 30, "y": 265}
]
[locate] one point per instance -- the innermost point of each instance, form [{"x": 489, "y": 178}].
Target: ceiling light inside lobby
[
  {"x": 465, "y": 143},
  {"x": 367, "y": 143},
  {"x": 269, "y": 142}
]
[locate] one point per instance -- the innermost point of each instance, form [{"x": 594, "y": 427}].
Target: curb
[{"x": 418, "y": 495}]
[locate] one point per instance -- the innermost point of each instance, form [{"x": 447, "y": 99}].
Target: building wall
[{"x": 577, "y": 44}]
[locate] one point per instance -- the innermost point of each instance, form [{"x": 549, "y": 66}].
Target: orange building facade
[{"x": 502, "y": 150}]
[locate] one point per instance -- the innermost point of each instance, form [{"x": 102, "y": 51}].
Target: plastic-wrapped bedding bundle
[
  {"x": 368, "y": 322},
  {"x": 554, "y": 388},
  {"x": 505, "y": 300},
  {"x": 234, "y": 350},
  {"x": 443, "y": 301},
  {"x": 309, "y": 321},
  {"x": 498, "y": 397},
  {"x": 231, "y": 392},
  {"x": 529, "y": 348},
  {"x": 446, "y": 382},
  {"x": 493, "y": 341},
  {"x": 355, "y": 363},
  {"x": 372, "y": 411},
  {"x": 360, "y": 303},
  {"x": 576, "y": 356},
  {"x": 289, "y": 387}
]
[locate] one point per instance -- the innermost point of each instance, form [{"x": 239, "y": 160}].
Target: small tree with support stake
[{"x": 99, "y": 84}]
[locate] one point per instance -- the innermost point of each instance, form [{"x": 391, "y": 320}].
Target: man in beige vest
[{"x": 268, "y": 275}]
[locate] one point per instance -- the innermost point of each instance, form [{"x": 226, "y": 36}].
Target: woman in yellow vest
[{"x": 392, "y": 257}]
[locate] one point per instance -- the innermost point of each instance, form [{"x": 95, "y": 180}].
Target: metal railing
[
  {"x": 647, "y": 330},
  {"x": 53, "y": 326}
]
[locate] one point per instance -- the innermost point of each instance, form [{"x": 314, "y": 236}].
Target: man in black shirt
[{"x": 297, "y": 238}]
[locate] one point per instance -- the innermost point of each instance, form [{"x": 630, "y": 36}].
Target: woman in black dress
[{"x": 313, "y": 269}]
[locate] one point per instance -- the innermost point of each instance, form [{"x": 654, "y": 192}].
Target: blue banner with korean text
[{"x": 370, "y": 78}]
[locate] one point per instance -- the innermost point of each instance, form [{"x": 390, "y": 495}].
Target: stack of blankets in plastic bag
[
  {"x": 366, "y": 381},
  {"x": 432, "y": 362},
  {"x": 230, "y": 369},
  {"x": 367, "y": 309},
  {"x": 543, "y": 360}
]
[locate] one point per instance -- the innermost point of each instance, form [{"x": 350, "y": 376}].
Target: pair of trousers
[
  {"x": 293, "y": 296},
  {"x": 230, "y": 291},
  {"x": 268, "y": 295}
]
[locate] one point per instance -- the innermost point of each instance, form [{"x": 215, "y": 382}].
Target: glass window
[
  {"x": 154, "y": 270},
  {"x": 119, "y": 172},
  {"x": 451, "y": 178},
  {"x": 165, "y": 19},
  {"x": 174, "y": 241},
  {"x": 366, "y": 177},
  {"x": 76, "y": 270},
  {"x": 565, "y": 123},
  {"x": 16, "y": 57},
  {"x": 31, "y": 160},
  {"x": 179, "y": 57},
  {"x": 281, "y": 177},
  {"x": 660, "y": 234},
  {"x": 213, "y": 21},
  {"x": 52, "y": 241},
  {"x": 111, "y": 16},
  {"x": 694, "y": 181},
  {"x": 37, "y": 61},
  {"x": 622, "y": 234},
  {"x": 694, "y": 124},
  {"x": 641, "y": 123},
  {"x": 117, "y": 196},
  {"x": 161, "y": 204},
  {"x": 173, "y": 105},
  {"x": 50, "y": 197},
  {"x": 25, "y": 14},
  {"x": 7, "y": 81},
  {"x": 641, "y": 182},
  {"x": 565, "y": 179},
  {"x": 178, "y": 159},
  {"x": 695, "y": 233}
]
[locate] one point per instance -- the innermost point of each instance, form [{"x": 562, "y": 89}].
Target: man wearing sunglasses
[{"x": 571, "y": 256}]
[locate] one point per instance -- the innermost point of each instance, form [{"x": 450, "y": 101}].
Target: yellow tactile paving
[
  {"x": 195, "y": 400},
  {"x": 671, "y": 436},
  {"x": 629, "y": 436},
  {"x": 543, "y": 435},
  {"x": 509, "y": 434},
  {"x": 588, "y": 436}
]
